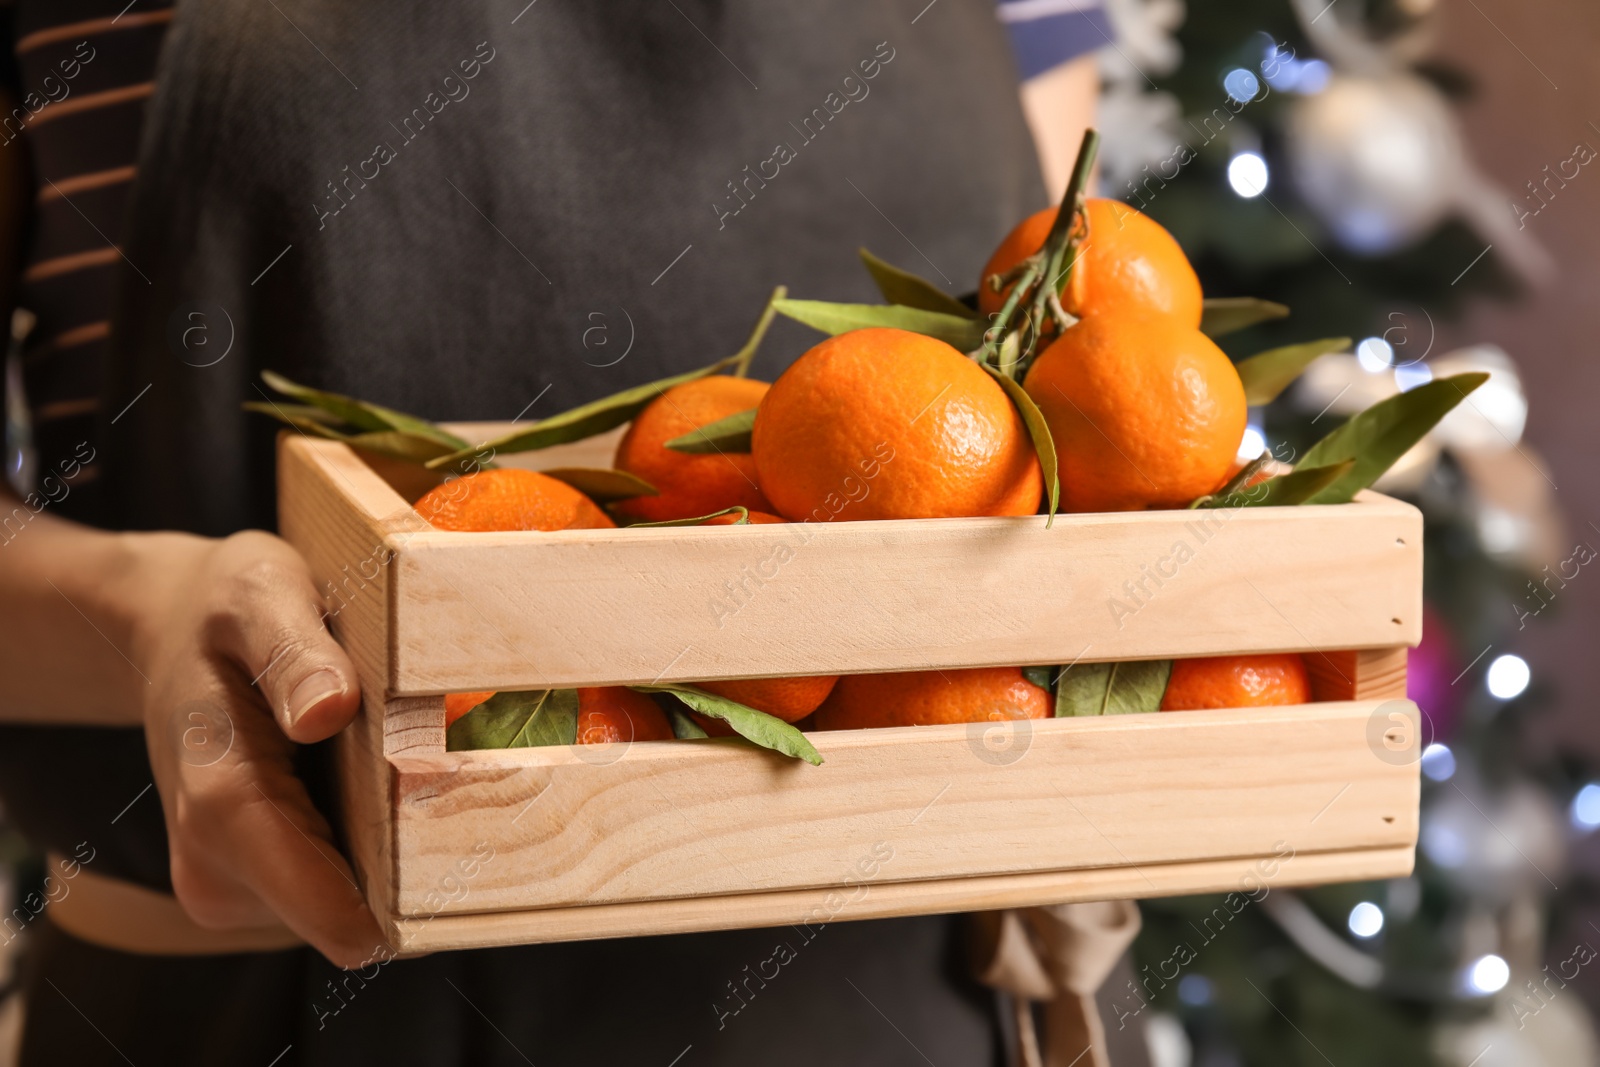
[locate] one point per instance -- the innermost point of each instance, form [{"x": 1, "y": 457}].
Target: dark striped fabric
[{"x": 84, "y": 72}]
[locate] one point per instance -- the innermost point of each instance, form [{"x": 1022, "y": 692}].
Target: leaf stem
[
  {"x": 1040, "y": 279},
  {"x": 1240, "y": 480},
  {"x": 996, "y": 335},
  {"x": 742, "y": 358}
]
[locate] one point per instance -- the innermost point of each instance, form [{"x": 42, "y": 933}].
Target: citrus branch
[{"x": 1054, "y": 261}]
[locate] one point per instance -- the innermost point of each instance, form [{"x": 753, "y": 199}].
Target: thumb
[{"x": 276, "y": 632}]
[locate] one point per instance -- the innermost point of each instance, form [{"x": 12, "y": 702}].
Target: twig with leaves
[{"x": 1039, "y": 280}]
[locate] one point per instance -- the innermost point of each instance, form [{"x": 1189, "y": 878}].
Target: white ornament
[
  {"x": 1492, "y": 417},
  {"x": 1146, "y": 40},
  {"x": 1379, "y": 154},
  {"x": 1375, "y": 157},
  {"x": 1139, "y": 127},
  {"x": 1460, "y": 837}
]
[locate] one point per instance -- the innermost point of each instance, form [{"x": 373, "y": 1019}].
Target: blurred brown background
[{"x": 1537, "y": 96}]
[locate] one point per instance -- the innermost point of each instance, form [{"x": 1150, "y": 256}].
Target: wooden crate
[{"x": 461, "y": 849}]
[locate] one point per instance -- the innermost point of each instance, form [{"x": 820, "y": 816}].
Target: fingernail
[{"x": 312, "y": 691}]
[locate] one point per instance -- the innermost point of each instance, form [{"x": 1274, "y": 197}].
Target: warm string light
[
  {"x": 1366, "y": 920},
  {"x": 1508, "y": 677},
  {"x": 1247, "y": 174}
]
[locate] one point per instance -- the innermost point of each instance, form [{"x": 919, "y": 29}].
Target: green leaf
[
  {"x": 698, "y": 520},
  {"x": 1039, "y": 431},
  {"x": 293, "y": 414},
  {"x": 602, "y": 485},
  {"x": 1269, "y": 373},
  {"x": 307, "y": 419},
  {"x": 768, "y": 731},
  {"x": 1039, "y": 676},
  {"x": 359, "y": 413},
  {"x": 1227, "y": 314},
  {"x": 526, "y": 719},
  {"x": 833, "y": 319},
  {"x": 1295, "y": 487},
  {"x": 1007, "y": 356},
  {"x": 1380, "y": 435},
  {"x": 730, "y": 434},
  {"x": 1112, "y": 688},
  {"x": 398, "y": 444},
  {"x": 683, "y": 727},
  {"x": 908, "y": 290},
  {"x": 587, "y": 420}
]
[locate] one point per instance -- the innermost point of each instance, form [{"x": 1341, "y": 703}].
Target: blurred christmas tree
[{"x": 1308, "y": 153}]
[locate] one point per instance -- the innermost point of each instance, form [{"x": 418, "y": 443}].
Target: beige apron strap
[
  {"x": 1060, "y": 955},
  {"x": 125, "y": 917}
]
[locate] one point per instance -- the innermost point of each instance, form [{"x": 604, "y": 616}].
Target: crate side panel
[
  {"x": 366, "y": 805},
  {"x": 491, "y": 611},
  {"x": 808, "y": 912},
  {"x": 333, "y": 510},
  {"x": 678, "y": 819},
  {"x": 339, "y": 516}
]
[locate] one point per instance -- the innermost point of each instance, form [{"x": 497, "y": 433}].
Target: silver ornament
[{"x": 1375, "y": 157}]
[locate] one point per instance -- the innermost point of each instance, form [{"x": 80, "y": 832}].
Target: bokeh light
[
  {"x": 1366, "y": 919},
  {"x": 1488, "y": 974},
  {"x": 1410, "y": 375},
  {"x": 1586, "y": 807},
  {"x": 1508, "y": 676},
  {"x": 1375, "y": 355},
  {"x": 1438, "y": 762},
  {"x": 1252, "y": 444},
  {"x": 1247, "y": 173},
  {"x": 1241, "y": 84}
]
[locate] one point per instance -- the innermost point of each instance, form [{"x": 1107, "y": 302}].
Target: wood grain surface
[
  {"x": 804, "y": 913},
  {"x": 478, "y": 848},
  {"x": 664, "y": 820},
  {"x": 339, "y": 515}
]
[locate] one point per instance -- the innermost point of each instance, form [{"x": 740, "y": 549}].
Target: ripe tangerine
[
  {"x": 690, "y": 483},
  {"x": 1127, "y": 265},
  {"x": 1145, "y": 412},
  {"x": 1237, "y": 682},
  {"x": 605, "y": 714},
  {"x": 887, "y": 424},
  {"x": 458, "y": 704},
  {"x": 616, "y": 713},
  {"x": 509, "y": 499},
  {"x": 925, "y": 698},
  {"x": 790, "y": 699}
]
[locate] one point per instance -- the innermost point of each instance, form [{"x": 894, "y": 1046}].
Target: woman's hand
[{"x": 230, "y": 636}]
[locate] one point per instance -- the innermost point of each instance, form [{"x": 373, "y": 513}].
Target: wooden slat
[
  {"x": 366, "y": 805},
  {"x": 666, "y": 820},
  {"x": 414, "y": 726},
  {"x": 693, "y": 604},
  {"x": 529, "y": 610},
  {"x": 340, "y": 515},
  {"x": 807, "y": 911}
]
